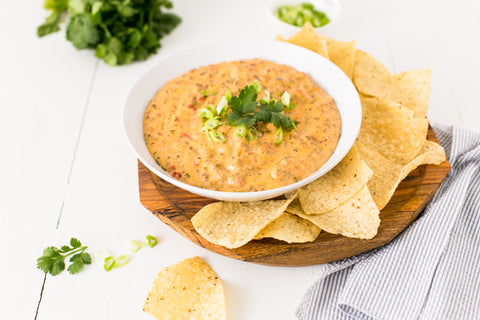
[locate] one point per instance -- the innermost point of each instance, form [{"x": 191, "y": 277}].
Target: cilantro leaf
[
  {"x": 246, "y": 101},
  {"x": 247, "y": 120},
  {"x": 53, "y": 259},
  {"x": 82, "y": 32}
]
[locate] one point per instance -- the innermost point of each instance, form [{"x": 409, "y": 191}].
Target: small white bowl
[
  {"x": 331, "y": 8},
  {"x": 328, "y": 76}
]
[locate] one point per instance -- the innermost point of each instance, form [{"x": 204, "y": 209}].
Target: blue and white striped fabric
[{"x": 430, "y": 271}]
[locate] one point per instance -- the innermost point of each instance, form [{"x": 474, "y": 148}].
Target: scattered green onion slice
[
  {"x": 252, "y": 134},
  {"x": 211, "y": 124},
  {"x": 257, "y": 85},
  {"x": 206, "y": 93},
  {"x": 121, "y": 261},
  {"x": 109, "y": 263},
  {"x": 205, "y": 113},
  {"x": 286, "y": 99},
  {"x": 291, "y": 106},
  {"x": 135, "y": 245},
  {"x": 216, "y": 136},
  {"x": 222, "y": 105},
  {"x": 279, "y": 135},
  {"x": 102, "y": 253},
  {"x": 241, "y": 131},
  {"x": 266, "y": 97},
  {"x": 228, "y": 95},
  {"x": 151, "y": 241}
]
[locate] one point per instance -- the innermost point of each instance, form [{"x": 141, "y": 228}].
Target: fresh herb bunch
[
  {"x": 120, "y": 31},
  {"x": 53, "y": 259}
]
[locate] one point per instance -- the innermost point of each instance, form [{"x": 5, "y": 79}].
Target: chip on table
[{"x": 189, "y": 289}]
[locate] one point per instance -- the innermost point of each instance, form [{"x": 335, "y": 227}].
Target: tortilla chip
[
  {"x": 308, "y": 39},
  {"x": 373, "y": 107},
  {"x": 369, "y": 74},
  {"x": 386, "y": 175},
  {"x": 280, "y": 38},
  {"x": 233, "y": 224},
  {"x": 342, "y": 54},
  {"x": 336, "y": 186},
  {"x": 410, "y": 89},
  {"x": 356, "y": 218},
  {"x": 431, "y": 153},
  {"x": 290, "y": 228},
  {"x": 398, "y": 139},
  {"x": 189, "y": 289}
]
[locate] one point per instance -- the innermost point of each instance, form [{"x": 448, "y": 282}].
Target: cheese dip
[{"x": 173, "y": 129}]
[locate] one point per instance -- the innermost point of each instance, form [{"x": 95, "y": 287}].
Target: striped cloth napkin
[{"x": 430, "y": 271}]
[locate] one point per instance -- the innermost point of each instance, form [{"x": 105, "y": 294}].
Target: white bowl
[
  {"x": 331, "y": 8},
  {"x": 328, "y": 76}
]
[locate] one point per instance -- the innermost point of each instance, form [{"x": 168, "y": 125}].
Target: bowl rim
[{"x": 153, "y": 166}]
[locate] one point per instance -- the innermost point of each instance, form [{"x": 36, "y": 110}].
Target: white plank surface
[{"x": 66, "y": 169}]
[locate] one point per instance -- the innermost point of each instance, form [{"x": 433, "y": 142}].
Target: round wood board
[{"x": 175, "y": 207}]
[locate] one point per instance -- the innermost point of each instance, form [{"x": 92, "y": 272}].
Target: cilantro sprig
[{"x": 53, "y": 259}]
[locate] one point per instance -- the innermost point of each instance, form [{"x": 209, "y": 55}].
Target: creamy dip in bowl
[{"x": 167, "y": 136}]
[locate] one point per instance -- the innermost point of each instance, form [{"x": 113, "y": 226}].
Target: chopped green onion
[
  {"x": 299, "y": 14},
  {"x": 211, "y": 124},
  {"x": 102, "y": 253},
  {"x": 279, "y": 135},
  {"x": 121, "y": 261},
  {"x": 266, "y": 97},
  {"x": 257, "y": 85},
  {"x": 222, "y": 105},
  {"x": 228, "y": 95},
  {"x": 151, "y": 241},
  {"x": 206, "y": 93},
  {"x": 135, "y": 245},
  {"x": 241, "y": 131},
  {"x": 205, "y": 113},
  {"x": 286, "y": 99},
  {"x": 291, "y": 106},
  {"x": 252, "y": 134},
  {"x": 109, "y": 263},
  {"x": 216, "y": 136}
]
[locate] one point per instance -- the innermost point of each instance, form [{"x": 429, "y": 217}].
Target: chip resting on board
[
  {"x": 290, "y": 228},
  {"x": 189, "y": 289},
  {"x": 233, "y": 224},
  {"x": 336, "y": 186},
  {"x": 342, "y": 54},
  {"x": 308, "y": 39},
  {"x": 356, "y": 218}
]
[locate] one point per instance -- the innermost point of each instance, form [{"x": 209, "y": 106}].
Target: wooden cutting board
[{"x": 175, "y": 207}]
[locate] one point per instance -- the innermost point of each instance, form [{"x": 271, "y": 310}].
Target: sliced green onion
[
  {"x": 222, "y": 106},
  {"x": 266, "y": 97},
  {"x": 252, "y": 134},
  {"x": 279, "y": 135},
  {"x": 286, "y": 99},
  {"x": 228, "y": 95},
  {"x": 257, "y": 85},
  {"x": 211, "y": 124},
  {"x": 299, "y": 14},
  {"x": 102, "y": 253},
  {"x": 206, "y": 93},
  {"x": 216, "y": 136},
  {"x": 241, "y": 131},
  {"x": 109, "y": 263},
  {"x": 135, "y": 245},
  {"x": 205, "y": 113},
  {"x": 151, "y": 241},
  {"x": 291, "y": 106},
  {"x": 121, "y": 261}
]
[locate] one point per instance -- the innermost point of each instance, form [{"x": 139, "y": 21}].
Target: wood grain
[{"x": 175, "y": 207}]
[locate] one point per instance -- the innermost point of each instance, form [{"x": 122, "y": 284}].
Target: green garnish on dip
[
  {"x": 247, "y": 112},
  {"x": 299, "y": 14}
]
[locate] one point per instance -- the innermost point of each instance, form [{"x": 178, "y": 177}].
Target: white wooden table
[{"x": 66, "y": 169}]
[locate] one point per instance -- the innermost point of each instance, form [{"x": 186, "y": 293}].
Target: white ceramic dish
[
  {"x": 331, "y": 8},
  {"x": 328, "y": 76}
]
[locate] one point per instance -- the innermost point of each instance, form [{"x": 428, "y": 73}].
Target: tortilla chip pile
[
  {"x": 348, "y": 199},
  {"x": 189, "y": 289}
]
